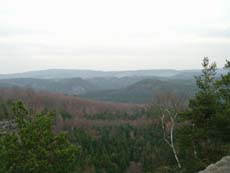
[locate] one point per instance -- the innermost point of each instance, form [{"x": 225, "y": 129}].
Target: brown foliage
[
  {"x": 39, "y": 100},
  {"x": 77, "y": 107}
]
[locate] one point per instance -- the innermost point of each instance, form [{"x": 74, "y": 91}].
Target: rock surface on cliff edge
[{"x": 222, "y": 166}]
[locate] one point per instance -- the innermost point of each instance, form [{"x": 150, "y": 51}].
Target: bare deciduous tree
[
  {"x": 169, "y": 105},
  {"x": 169, "y": 139}
]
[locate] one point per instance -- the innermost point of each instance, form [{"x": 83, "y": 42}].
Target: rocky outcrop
[
  {"x": 7, "y": 126},
  {"x": 222, "y": 166}
]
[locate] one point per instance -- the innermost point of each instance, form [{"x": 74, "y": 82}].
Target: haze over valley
[{"x": 114, "y": 86}]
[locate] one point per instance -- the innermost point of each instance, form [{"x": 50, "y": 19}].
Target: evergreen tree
[
  {"x": 204, "y": 137},
  {"x": 35, "y": 148},
  {"x": 221, "y": 123},
  {"x": 203, "y": 107}
]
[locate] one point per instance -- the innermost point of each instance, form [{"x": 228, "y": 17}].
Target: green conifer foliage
[{"x": 35, "y": 147}]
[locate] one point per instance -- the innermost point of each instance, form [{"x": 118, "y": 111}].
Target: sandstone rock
[
  {"x": 7, "y": 126},
  {"x": 222, "y": 166}
]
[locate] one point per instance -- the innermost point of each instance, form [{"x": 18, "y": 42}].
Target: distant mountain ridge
[
  {"x": 144, "y": 90},
  {"x": 122, "y": 86},
  {"x": 73, "y": 86},
  {"x": 62, "y": 73}
]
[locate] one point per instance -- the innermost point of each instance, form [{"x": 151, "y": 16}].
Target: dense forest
[{"x": 182, "y": 130}]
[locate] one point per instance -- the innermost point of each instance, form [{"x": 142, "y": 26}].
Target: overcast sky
[{"x": 112, "y": 34}]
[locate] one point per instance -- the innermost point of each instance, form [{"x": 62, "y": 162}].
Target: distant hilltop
[{"x": 63, "y": 73}]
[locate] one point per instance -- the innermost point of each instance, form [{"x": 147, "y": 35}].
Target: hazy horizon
[
  {"x": 98, "y": 70},
  {"x": 112, "y": 35}
]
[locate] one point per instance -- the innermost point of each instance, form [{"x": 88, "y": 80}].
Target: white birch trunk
[{"x": 171, "y": 141}]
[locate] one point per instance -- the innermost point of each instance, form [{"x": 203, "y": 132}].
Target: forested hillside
[
  {"x": 89, "y": 74},
  {"x": 124, "y": 86},
  {"x": 168, "y": 135},
  {"x": 128, "y": 89},
  {"x": 114, "y": 86},
  {"x": 38, "y": 101},
  {"x": 74, "y": 86},
  {"x": 61, "y": 73},
  {"x": 144, "y": 91}
]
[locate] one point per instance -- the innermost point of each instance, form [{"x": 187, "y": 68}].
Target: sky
[{"x": 112, "y": 34}]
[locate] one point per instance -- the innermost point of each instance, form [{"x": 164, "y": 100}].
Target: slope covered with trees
[
  {"x": 168, "y": 136},
  {"x": 206, "y": 139},
  {"x": 144, "y": 91},
  {"x": 34, "y": 147},
  {"x": 73, "y": 86}
]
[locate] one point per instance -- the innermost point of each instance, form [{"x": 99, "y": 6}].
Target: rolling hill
[
  {"x": 86, "y": 74},
  {"x": 40, "y": 100},
  {"x": 127, "y": 89},
  {"x": 74, "y": 86},
  {"x": 144, "y": 90},
  {"x": 115, "y": 86},
  {"x": 61, "y": 73}
]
